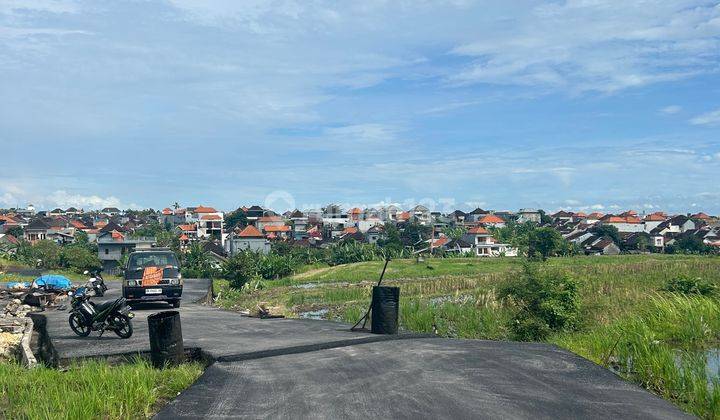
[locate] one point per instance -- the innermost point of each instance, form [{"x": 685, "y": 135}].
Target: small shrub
[
  {"x": 352, "y": 252},
  {"x": 274, "y": 266},
  {"x": 690, "y": 286},
  {"x": 240, "y": 269},
  {"x": 547, "y": 302}
]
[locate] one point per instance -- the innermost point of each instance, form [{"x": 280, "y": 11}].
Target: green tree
[
  {"x": 414, "y": 234},
  {"x": 546, "y": 301},
  {"x": 515, "y": 234},
  {"x": 45, "y": 253},
  {"x": 15, "y": 231},
  {"x": 391, "y": 240},
  {"x": 544, "y": 242},
  {"x": 168, "y": 240},
  {"x": 610, "y": 231},
  {"x": 197, "y": 262},
  {"x": 454, "y": 232},
  {"x": 235, "y": 218},
  {"x": 149, "y": 230},
  {"x": 690, "y": 244},
  {"x": 79, "y": 258},
  {"x": 544, "y": 218}
]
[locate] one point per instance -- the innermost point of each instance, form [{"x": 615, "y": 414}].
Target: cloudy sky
[{"x": 581, "y": 104}]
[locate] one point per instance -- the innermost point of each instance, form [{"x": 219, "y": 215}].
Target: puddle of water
[
  {"x": 306, "y": 285},
  {"x": 712, "y": 365},
  {"x": 319, "y": 314}
]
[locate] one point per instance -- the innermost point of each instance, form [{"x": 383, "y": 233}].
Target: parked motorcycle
[
  {"x": 96, "y": 282},
  {"x": 87, "y": 316}
]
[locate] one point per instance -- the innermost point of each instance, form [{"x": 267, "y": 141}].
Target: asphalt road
[
  {"x": 418, "y": 378},
  {"x": 285, "y": 368},
  {"x": 223, "y": 335}
]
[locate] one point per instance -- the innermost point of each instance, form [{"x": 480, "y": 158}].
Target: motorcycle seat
[{"x": 104, "y": 305}]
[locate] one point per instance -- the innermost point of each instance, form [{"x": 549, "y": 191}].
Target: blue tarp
[{"x": 53, "y": 281}]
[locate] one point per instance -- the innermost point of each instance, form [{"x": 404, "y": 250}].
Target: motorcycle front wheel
[
  {"x": 77, "y": 324},
  {"x": 123, "y": 326}
]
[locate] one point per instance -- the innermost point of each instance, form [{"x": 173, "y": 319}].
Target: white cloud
[
  {"x": 711, "y": 118},
  {"x": 589, "y": 46},
  {"x": 13, "y": 196},
  {"x": 671, "y": 109},
  {"x": 62, "y": 198}
]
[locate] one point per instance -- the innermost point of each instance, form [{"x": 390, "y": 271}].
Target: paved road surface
[
  {"x": 282, "y": 368},
  {"x": 421, "y": 378},
  {"x": 224, "y": 335}
]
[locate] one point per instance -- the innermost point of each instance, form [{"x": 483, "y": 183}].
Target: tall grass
[
  {"x": 90, "y": 390},
  {"x": 661, "y": 348}
]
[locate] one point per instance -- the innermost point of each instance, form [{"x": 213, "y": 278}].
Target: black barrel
[
  {"x": 166, "y": 342},
  {"x": 385, "y": 305}
]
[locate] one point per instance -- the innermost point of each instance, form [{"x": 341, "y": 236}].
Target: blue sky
[{"x": 585, "y": 105}]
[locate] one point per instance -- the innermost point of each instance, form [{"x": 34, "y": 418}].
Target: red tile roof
[
  {"x": 184, "y": 237},
  {"x": 349, "y": 230},
  {"x": 621, "y": 219},
  {"x": 167, "y": 211},
  {"x": 270, "y": 219},
  {"x": 701, "y": 216},
  {"x": 250, "y": 232},
  {"x": 440, "y": 241},
  {"x": 117, "y": 235},
  {"x": 211, "y": 217},
  {"x": 78, "y": 224},
  {"x": 283, "y": 228},
  {"x": 201, "y": 209},
  {"x": 478, "y": 230},
  {"x": 491, "y": 219},
  {"x": 654, "y": 218},
  {"x": 187, "y": 228},
  {"x": 13, "y": 240},
  {"x": 595, "y": 216}
]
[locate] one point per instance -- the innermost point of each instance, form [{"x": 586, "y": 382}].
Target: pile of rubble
[
  {"x": 15, "y": 309},
  {"x": 16, "y": 303},
  {"x": 24, "y": 299},
  {"x": 11, "y": 334}
]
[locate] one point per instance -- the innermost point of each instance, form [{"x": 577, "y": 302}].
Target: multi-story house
[
  {"x": 250, "y": 238},
  {"x": 484, "y": 244}
]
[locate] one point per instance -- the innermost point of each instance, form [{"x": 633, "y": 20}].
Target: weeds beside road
[{"x": 90, "y": 390}]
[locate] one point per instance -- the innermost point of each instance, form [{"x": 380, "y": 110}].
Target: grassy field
[
  {"x": 90, "y": 390},
  {"x": 72, "y": 275},
  {"x": 657, "y": 339}
]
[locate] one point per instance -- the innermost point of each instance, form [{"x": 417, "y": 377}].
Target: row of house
[
  {"x": 115, "y": 231},
  {"x": 654, "y": 231}
]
